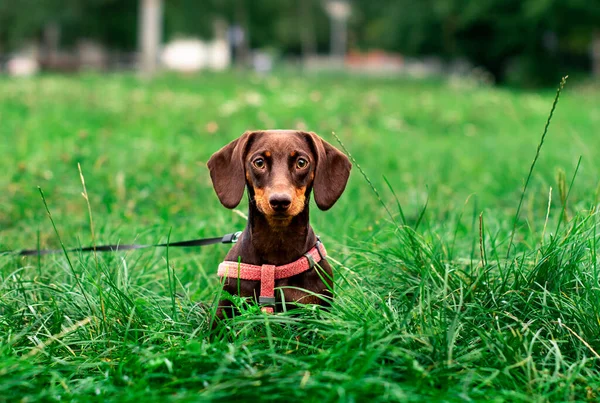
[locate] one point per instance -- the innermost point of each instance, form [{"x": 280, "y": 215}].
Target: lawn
[{"x": 433, "y": 300}]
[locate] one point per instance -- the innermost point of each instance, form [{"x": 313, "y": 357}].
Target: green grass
[{"x": 428, "y": 305}]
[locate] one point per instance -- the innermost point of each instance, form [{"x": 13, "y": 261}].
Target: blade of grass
[
  {"x": 62, "y": 245},
  {"x": 377, "y": 195},
  {"x": 537, "y": 154},
  {"x": 89, "y": 207}
]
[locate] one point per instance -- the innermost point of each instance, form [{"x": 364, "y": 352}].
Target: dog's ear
[
  {"x": 227, "y": 171},
  {"x": 331, "y": 173}
]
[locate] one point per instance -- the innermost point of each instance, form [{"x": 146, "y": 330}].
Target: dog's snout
[{"x": 280, "y": 201}]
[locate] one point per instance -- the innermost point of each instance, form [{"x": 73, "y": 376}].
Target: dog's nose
[{"x": 280, "y": 201}]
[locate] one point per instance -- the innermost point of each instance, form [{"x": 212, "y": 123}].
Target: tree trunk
[
  {"x": 338, "y": 38},
  {"x": 51, "y": 43},
  {"x": 307, "y": 29},
  {"x": 243, "y": 48},
  {"x": 339, "y": 11},
  {"x": 596, "y": 54},
  {"x": 149, "y": 34}
]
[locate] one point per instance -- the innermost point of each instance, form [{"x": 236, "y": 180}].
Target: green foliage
[
  {"x": 529, "y": 43},
  {"x": 191, "y": 17},
  {"x": 427, "y": 305},
  {"x": 112, "y": 22}
]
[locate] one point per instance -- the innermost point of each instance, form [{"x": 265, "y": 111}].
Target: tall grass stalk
[{"x": 537, "y": 154}]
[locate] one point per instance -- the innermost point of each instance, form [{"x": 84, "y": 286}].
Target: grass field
[{"x": 432, "y": 302}]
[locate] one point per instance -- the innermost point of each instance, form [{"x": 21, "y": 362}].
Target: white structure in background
[
  {"x": 24, "y": 63},
  {"x": 189, "y": 55},
  {"x": 184, "y": 55},
  {"x": 219, "y": 54},
  {"x": 22, "y": 66}
]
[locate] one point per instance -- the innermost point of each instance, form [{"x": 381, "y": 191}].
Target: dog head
[{"x": 280, "y": 168}]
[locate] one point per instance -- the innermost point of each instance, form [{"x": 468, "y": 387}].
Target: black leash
[{"x": 228, "y": 238}]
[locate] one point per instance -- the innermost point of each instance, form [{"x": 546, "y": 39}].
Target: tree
[
  {"x": 112, "y": 22},
  {"x": 531, "y": 42}
]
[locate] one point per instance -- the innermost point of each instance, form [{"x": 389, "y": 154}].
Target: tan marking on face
[
  {"x": 297, "y": 201},
  {"x": 248, "y": 178},
  {"x": 261, "y": 198},
  {"x": 262, "y": 201},
  {"x": 293, "y": 154},
  {"x": 267, "y": 153}
]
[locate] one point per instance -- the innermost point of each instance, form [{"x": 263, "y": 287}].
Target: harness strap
[
  {"x": 267, "y": 274},
  {"x": 267, "y": 287}
]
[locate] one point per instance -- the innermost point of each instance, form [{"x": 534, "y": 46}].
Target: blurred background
[{"x": 526, "y": 43}]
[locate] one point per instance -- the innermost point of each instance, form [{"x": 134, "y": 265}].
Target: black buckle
[
  {"x": 266, "y": 301},
  {"x": 231, "y": 238},
  {"x": 318, "y": 249}
]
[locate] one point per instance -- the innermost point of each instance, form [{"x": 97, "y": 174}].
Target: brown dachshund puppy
[{"x": 279, "y": 168}]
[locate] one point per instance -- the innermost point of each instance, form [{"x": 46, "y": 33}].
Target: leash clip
[
  {"x": 232, "y": 238},
  {"x": 269, "y": 301}
]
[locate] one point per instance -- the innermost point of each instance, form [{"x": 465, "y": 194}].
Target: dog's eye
[
  {"x": 259, "y": 163},
  {"x": 301, "y": 163}
]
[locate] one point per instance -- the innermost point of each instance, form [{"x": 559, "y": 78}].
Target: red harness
[{"x": 267, "y": 274}]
